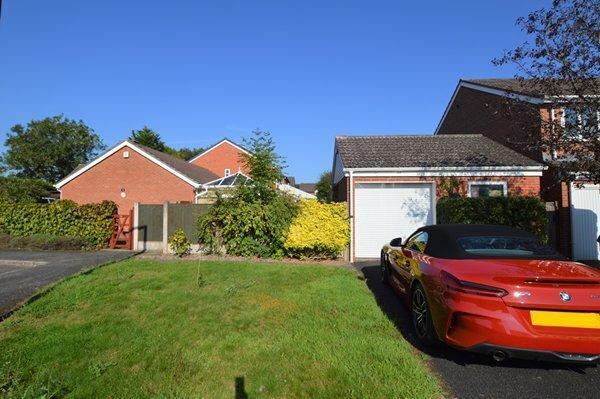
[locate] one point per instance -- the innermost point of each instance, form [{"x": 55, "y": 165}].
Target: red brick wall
[
  {"x": 508, "y": 123},
  {"x": 478, "y": 112},
  {"x": 143, "y": 181},
  {"x": 529, "y": 185},
  {"x": 224, "y": 156}
]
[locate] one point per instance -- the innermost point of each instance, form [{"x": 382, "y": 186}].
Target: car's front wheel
[{"x": 421, "y": 316}]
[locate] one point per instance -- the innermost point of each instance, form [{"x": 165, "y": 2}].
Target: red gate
[{"x": 122, "y": 235}]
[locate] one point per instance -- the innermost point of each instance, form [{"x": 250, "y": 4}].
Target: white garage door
[
  {"x": 585, "y": 221},
  {"x": 388, "y": 210}
]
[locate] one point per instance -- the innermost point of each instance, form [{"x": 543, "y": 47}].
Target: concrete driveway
[
  {"x": 23, "y": 273},
  {"x": 468, "y": 375}
]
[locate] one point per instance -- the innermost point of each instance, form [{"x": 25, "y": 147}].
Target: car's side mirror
[{"x": 396, "y": 242}]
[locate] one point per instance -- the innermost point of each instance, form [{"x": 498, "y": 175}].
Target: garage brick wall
[
  {"x": 224, "y": 156},
  {"x": 143, "y": 181}
]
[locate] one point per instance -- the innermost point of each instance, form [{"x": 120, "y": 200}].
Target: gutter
[{"x": 450, "y": 169}]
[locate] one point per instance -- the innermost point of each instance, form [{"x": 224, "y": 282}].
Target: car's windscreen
[{"x": 505, "y": 246}]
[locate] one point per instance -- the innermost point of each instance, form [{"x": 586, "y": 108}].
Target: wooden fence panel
[
  {"x": 150, "y": 222},
  {"x": 184, "y": 216}
]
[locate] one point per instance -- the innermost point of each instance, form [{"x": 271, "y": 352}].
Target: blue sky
[{"x": 196, "y": 71}]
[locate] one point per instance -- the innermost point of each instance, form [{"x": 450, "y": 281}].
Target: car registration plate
[{"x": 565, "y": 319}]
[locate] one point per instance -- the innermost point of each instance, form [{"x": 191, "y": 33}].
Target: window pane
[
  {"x": 590, "y": 122},
  {"x": 419, "y": 242},
  {"x": 504, "y": 246},
  {"x": 571, "y": 122},
  {"x": 487, "y": 190}
]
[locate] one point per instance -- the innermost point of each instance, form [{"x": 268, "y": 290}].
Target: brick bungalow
[
  {"x": 129, "y": 173},
  {"x": 392, "y": 183},
  {"x": 480, "y": 106}
]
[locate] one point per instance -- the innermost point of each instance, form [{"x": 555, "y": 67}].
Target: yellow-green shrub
[{"x": 318, "y": 231}]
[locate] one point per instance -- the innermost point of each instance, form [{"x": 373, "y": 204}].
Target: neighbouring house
[
  {"x": 391, "y": 183},
  {"x": 223, "y": 159},
  {"x": 295, "y": 191},
  {"x": 129, "y": 173},
  {"x": 310, "y": 188},
  {"x": 496, "y": 108}
]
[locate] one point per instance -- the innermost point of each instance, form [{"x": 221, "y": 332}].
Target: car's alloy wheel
[{"x": 421, "y": 316}]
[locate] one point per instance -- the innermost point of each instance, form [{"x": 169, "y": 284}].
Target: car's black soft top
[{"x": 443, "y": 239}]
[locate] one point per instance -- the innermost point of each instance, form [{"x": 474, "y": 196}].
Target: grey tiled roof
[
  {"x": 531, "y": 88},
  {"x": 453, "y": 150},
  {"x": 307, "y": 187},
  {"x": 194, "y": 172}
]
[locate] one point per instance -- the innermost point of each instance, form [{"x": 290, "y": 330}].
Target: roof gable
[
  {"x": 222, "y": 142},
  {"x": 192, "y": 174},
  {"x": 428, "y": 151},
  {"x": 518, "y": 89}
]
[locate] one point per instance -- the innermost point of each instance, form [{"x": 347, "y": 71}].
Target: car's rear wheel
[
  {"x": 385, "y": 269},
  {"x": 421, "y": 316}
]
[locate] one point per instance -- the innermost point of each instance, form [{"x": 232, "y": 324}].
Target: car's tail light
[{"x": 466, "y": 287}]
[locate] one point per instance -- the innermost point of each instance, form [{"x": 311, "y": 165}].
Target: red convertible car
[{"x": 496, "y": 290}]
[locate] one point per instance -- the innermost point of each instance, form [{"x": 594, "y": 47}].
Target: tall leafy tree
[
  {"x": 324, "y": 192},
  {"x": 187, "y": 153},
  {"x": 252, "y": 221},
  {"x": 50, "y": 148},
  {"x": 265, "y": 167},
  {"x": 263, "y": 163},
  {"x": 19, "y": 189},
  {"x": 149, "y": 138},
  {"x": 561, "y": 63}
]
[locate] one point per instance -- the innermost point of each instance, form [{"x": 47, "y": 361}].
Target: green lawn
[{"x": 185, "y": 329}]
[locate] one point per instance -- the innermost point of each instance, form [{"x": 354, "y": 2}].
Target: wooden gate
[{"x": 122, "y": 235}]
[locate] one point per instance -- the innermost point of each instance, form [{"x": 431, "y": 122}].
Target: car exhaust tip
[{"x": 499, "y": 356}]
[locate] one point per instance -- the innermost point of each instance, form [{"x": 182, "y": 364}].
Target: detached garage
[{"x": 392, "y": 183}]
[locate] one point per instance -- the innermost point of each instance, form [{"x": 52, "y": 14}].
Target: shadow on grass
[
  {"x": 391, "y": 304},
  {"x": 240, "y": 389}
]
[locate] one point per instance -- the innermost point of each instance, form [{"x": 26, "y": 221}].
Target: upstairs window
[
  {"x": 580, "y": 123},
  {"x": 227, "y": 172}
]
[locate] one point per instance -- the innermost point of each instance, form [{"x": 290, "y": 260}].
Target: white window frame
[
  {"x": 227, "y": 172},
  {"x": 489, "y": 183}
]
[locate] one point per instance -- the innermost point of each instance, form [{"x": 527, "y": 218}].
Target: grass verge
[{"x": 141, "y": 328}]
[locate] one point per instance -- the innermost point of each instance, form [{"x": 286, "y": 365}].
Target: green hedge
[
  {"x": 526, "y": 213},
  {"x": 42, "y": 242},
  {"x": 93, "y": 223}
]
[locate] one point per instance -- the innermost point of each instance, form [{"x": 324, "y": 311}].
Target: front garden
[{"x": 140, "y": 328}]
